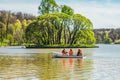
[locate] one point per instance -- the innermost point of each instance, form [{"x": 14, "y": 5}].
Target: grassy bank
[
  {"x": 64, "y": 46},
  {"x": 3, "y": 44}
]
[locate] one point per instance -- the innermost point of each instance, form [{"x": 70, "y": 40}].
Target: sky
[{"x": 102, "y": 13}]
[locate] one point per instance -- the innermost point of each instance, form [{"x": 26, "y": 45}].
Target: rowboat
[{"x": 56, "y": 55}]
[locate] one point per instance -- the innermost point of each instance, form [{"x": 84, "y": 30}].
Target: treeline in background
[
  {"x": 107, "y": 36},
  {"x": 12, "y": 27}
]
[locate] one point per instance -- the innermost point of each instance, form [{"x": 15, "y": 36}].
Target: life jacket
[{"x": 70, "y": 52}]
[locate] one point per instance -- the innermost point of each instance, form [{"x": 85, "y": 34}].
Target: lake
[{"x": 101, "y": 63}]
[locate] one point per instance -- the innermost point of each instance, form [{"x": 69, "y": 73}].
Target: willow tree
[
  {"x": 49, "y": 28},
  {"x": 79, "y": 22},
  {"x": 85, "y": 37},
  {"x": 47, "y": 6},
  {"x": 66, "y": 9},
  {"x": 69, "y": 11},
  {"x": 59, "y": 27}
]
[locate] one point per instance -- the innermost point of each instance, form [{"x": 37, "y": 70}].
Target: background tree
[
  {"x": 107, "y": 39},
  {"x": 113, "y": 34},
  {"x": 14, "y": 27},
  {"x": 2, "y": 31},
  {"x": 18, "y": 32}
]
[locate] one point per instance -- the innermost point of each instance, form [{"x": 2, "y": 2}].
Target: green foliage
[
  {"x": 60, "y": 28},
  {"x": 56, "y": 25},
  {"x": 47, "y": 6},
  {"x": 85, "y": 37},
  {"x": 18, "y": 25},
  {"x": 10, "y": 38},
  {"x": 12, "y": 27},
  {"x": 18, "y": 34},
  {"x": 24, "y": 24},
  {"x": 107, "y": 39},
  {"x": 113, "y": 34},
  {"x": 117, "y": 42},
  {"x": 63, "y": 46},
  {"x": 2, "y": 31},
  {"x": 66, "y": 9}
]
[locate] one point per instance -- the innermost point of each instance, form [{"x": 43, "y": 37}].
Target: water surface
[{"x": 101, "y": 63}]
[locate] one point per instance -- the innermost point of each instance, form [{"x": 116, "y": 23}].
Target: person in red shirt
[
  {"x": 64, "y": 52},
  {"x": 79, "y": 53},
  {"x": 71, "y": 52}
]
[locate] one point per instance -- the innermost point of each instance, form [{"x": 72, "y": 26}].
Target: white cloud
[
  {"x": 100, "y": 14},
  {"x": 103, "y": 15}
]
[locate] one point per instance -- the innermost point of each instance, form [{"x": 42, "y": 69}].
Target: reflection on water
[
  {"x": 43, "y": 67},
  {"x": 80, "y": 62},
  {"x": 12, "y": 68}
]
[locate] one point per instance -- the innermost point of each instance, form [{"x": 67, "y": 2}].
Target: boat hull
[
  {"x": 63, "y": 56},
  {"x": 58, "y": 55}
]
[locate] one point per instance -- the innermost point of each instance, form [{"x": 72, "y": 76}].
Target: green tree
[
  {"x": 47, "y": 6},
  {"x": 18, "y": 25},
  {"x": 18, "y": 33},
  {"x": 66, "y": 9},
  {"x": 59, "y": 28},
  {"x": 54, "y": 27},
  {"x": 2, "y": 31},
  {"x": 11, "y": 39},
  {"x": 11, "y": 29},
  {"x": 107, "y": 40},
  {"x": 24, "y": 24},
  {"x": 79, "y": 22}
]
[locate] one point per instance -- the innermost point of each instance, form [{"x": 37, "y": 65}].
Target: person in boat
[
  {"x": 64, "y": 52},
  {"x": 71, "y": 52},
  {"x": 79, "y": 53}
]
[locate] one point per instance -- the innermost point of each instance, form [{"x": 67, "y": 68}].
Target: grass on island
[
  {"x": 64, "y": 46},
  {"x": 53, "y": 45}
]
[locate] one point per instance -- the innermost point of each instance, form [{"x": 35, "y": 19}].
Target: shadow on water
[{"x": 44, "y": 67}]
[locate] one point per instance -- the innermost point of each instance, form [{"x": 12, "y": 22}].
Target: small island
[{"x": 58, "y": 27}]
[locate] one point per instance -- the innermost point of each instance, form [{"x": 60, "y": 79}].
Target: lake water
[{"x": 101, "y": 63}]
